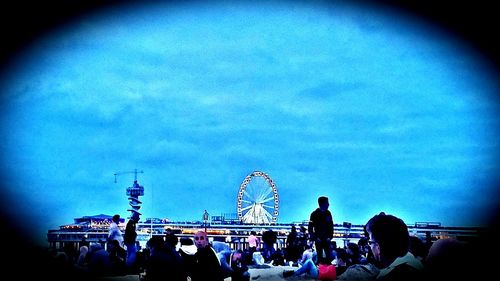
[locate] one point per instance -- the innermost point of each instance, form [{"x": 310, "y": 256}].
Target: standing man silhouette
[
  {"x": 130, "y": 241},
  {"x": 321, "y": 230}
]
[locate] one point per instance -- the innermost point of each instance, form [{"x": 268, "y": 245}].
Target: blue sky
[{"x": 377, "y": 110}]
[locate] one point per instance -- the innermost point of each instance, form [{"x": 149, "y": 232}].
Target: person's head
[
  {"x": 353, "y": 249},
  {"x": 237, "y": 256},
  {"x": 187, "y": 246},
  {"x": 95, "y": 247},
  {"x": 342, "y": 257},
  {"x": 135, "y": 217},
  {"x": 116, "y": 218},
  {"x": 201, "y": 239},
  {"x": 333, "y": 243},
  {"x": 114, "y": 243},
  {"x": 156, "y": 243},
  {"x": 362, "y": 242},
  {"x": 171, "y": 239},
  {"x": 294, "y": 229},
  {"x": 323, "y": 203},
  {"x": 185, "y": 241},
  {"x": 84, "y": 250},
  {"x": 449, "y": 259},
  {"x": 388, "y": 238},
  {"x": 363, "y": 245}
]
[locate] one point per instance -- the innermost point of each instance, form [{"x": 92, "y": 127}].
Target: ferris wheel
[{"x": 258, "y": 199}]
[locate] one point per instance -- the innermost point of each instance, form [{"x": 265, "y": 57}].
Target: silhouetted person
[
  {"x": 130, "y": 242},
  {"x": 321, "y": 230},
  {"x": 322, "y": 271},
  {"x": 114, "y": 232},
  {"x": 293, "y": 249},
  {"x": 99, "y": 261},
  {"x": 239, "y": 270},
  {"x": 163, "y": 262},
  {"x": 207, "y": 265},
  {"x": 418, "y": 248},
  {"x": 269, "y": 238},
  {"x": 187, "y": 252}
]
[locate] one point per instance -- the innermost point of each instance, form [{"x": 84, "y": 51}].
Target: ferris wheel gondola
[{"x": 258, "y": 199}]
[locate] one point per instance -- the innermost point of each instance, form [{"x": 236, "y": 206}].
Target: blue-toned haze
[{"x": 377, "y": 111}]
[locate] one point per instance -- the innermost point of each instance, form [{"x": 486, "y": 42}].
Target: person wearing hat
[
  {"x": 187, "y": 251},
  {"x": 130, "y": 241}
]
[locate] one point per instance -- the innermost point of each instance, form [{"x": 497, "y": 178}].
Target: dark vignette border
[{"x": 23, "y": 22}]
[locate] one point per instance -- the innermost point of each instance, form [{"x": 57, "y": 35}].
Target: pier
[{"x": 95, "y": 230}]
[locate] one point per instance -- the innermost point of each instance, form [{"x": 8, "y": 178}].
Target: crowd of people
[{"x": 386, "y": 253}]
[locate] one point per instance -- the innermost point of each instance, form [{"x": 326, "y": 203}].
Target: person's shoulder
[
  {"x": 403, "y": 272},
  {"x": 369, "y": 268},
  {"x": 360, "y": 272},
  {"x": 317, "y": 210}
]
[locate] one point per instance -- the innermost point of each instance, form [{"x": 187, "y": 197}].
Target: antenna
[{"x": 129, "y": 172}]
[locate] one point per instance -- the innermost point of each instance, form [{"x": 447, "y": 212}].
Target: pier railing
[{"x": 236, "y": 234}]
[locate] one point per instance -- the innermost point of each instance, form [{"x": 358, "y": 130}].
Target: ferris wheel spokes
[
  {"x": 247, "y": 207},
  {"x": 267, "y": 200},
  {"x": 267, "y": 213}
]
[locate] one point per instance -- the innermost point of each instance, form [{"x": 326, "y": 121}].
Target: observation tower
[{"x": 133, "y": 193}]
